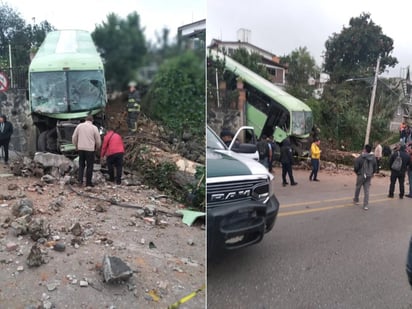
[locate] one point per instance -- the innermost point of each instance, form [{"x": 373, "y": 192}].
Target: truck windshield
[
  {"x": 66, "y": 91},
  {"x": 302, "y": 122}
]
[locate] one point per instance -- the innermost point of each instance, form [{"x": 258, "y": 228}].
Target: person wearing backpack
[
  {"x": 365, "y": 166},
  {"x": 398, "y": 174}
]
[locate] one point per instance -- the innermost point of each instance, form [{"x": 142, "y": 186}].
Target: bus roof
[
  {"x": 67, "y": 50},
  {"x": 282, "y": 97}
]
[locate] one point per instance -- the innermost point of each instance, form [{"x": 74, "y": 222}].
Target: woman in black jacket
[{"x": 6, "y": 130}]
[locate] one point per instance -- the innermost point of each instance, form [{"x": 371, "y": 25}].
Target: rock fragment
[
  {"x": 115, "y": 270},
  {"x": 35, "y": 257},
  {"x": 76, "y": 229},
  {"x": 22, "y": 207}
]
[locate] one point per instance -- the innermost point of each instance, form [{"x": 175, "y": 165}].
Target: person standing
[
  {"x": 227, "y": 136},
  {"x": 286, "y": 159},
  {"x": 113, "y": 151},
  {"x": 409, "y": 151},
  {"x": 399, "y": 175},
  {"x": 6, "y": 130},
  {"x": 315, "y": 158},
  {"x": 133, "y": 107},
  {"x": 275, "y": 152},
  {"x": 86, "y": 139},
  {"x": 365, "y": 166},
  {"x": 378, "y": 156},
  {"x": 264, "y": 150}
]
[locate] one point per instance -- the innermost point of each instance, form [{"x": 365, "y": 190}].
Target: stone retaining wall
[{"x": 14, "y": 105}]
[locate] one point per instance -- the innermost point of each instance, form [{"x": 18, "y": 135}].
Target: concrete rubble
[
  {"x": 35, "y": 257},
  {"x": 115, "y": 270}
]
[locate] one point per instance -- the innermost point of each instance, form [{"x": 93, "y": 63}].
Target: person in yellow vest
[
  {"x": 133, "y": 107},
  {"x": 315, "y": 158}
]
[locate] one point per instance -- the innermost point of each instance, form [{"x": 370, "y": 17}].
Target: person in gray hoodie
[{"x": 365, "y": 166}]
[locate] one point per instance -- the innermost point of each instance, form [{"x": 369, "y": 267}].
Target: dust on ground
[{"x": 166, "y": 256}]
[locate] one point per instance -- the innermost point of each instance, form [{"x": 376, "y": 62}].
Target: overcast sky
[
  {"x": 282, "y": 26},
  {"x": 85, "y": 14}
]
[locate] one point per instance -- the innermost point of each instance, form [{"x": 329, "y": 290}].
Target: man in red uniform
[{"x": 113, "y": 151}]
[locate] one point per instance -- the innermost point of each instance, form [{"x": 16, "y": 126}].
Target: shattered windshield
[
  {"x": 67, "y": 91},
  {"x": 48, "y": 92},
  {"x": 86, "y": 90},
  {"x": 302, "y": 123}
]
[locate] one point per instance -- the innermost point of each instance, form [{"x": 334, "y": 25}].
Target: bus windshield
[
  {"x": 66, "y": 91},
  {"x": 302, "y": 122}
]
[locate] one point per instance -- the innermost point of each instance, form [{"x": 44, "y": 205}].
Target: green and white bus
[
  {"x": 269, "y": 109},
  {"x": 66, "y": 83}
]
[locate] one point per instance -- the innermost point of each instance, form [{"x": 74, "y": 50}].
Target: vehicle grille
[{"x": 236, "y": 191}]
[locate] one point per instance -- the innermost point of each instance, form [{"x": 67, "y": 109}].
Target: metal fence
[{"x": 17, "y": 77}]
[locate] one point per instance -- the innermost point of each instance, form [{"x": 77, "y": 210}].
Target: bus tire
[{"x": 42, "y": 142}]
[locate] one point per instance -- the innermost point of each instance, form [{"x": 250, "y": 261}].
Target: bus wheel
[{"x": 42, "y": 141}]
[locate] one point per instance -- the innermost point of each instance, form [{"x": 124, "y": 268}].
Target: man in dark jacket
[
  {"x": 365, "y": 166},
  {"x": 286, "y": 159},
  {"x": 399, "y": 175},
  {"x": 6, "y": 130}
]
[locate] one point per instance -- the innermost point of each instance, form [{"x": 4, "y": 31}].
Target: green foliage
[
  {"x": 197, "y": 197},
  {"x": 21, "y": 37},
  {"x": 354, "y": 51},
  {"x": 301, "y": 67},
  {"x": 164, "y": 176},
  {"x": 177, "y": 95},
  {"x": 251, "y": 61},
  {"x": 122, "y": 45},
  {"x": 344, "y": 109}
]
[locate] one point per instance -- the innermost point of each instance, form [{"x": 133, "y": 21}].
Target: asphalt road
[{"x": 324, "y": 252}]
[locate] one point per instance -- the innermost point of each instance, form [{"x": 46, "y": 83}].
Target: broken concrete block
[
  {"x": 38, "y": 228},
  {"x": 35, "y": 257},
  {"x": 76, "y": 229},
  {"x": 48, "y": 159},
  {"x": 22, "y": 207},
  {"x": 20, "y": 225},
  {"x": 114, "y": 269}
]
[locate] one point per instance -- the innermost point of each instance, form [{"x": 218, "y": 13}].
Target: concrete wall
[{"x": 14, "y": 105}]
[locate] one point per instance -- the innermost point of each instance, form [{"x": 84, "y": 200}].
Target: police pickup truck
[{"x": 241, "y": 204}]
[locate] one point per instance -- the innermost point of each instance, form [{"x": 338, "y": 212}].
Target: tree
[
  {"x": 301, "y": 67},
  {"x": 250, "y": 60},
  {"x": 122, "y": 45},
  {"x": 21, "y": 37},
  {"x": 354, "y": 51},
  {"x": 177, "y": 95},
  {"x": 344, "y": 106}
]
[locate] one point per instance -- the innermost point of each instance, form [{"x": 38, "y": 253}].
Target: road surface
[{"x": 324, "y": 252}]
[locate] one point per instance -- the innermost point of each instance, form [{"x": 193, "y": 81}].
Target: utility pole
[
  {"x": 375, "y": 82},
  {"x": 11, "y": 68}
]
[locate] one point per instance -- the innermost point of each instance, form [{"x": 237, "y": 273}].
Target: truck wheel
[{"x": 42, "y": 142}]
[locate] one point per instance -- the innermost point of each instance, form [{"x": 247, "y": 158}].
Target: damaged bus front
[{"x": 66, "y": 83}]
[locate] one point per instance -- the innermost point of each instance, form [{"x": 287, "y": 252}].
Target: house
[
  {"x": 276, "y": 71},
  {"x": 193, "y": 34}
]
